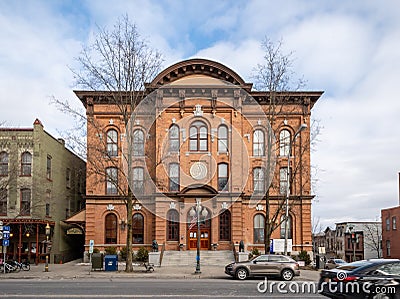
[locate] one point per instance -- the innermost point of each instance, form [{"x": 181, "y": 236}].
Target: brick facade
[
  {"x": 390, "y": 232},
  {"x": 208, "y": 95}
]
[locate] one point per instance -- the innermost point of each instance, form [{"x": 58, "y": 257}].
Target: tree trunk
[{"x": 129, "y": 252}]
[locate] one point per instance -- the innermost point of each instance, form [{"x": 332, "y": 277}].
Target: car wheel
[
  {"x": 241, "y": 274},
  {"x": 380, "y": 296},
  {"x": 287, "y": 274}
]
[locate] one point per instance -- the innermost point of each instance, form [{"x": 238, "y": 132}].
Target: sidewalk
[{"x": 76, "y": 270}]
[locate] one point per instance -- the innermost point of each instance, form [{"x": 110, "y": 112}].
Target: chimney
[{"x": 62, "y": 141}]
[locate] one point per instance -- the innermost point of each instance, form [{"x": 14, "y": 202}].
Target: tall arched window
[
  {"x": 138, "y": 180},
  {"x": 223, "y": 176},
  {"x": 258, "y": 143},
  {"x": 225, "y": 226},
  {"x": 25, "y": 206},
  {"x": 259, "y": 226},
  {"x": 3, "y": 164},
  {"x": 26, "y": 164},
  {"x": 3, "y": 201},
  {"x": 138, "y": 228},
  {"x": 290, "y": 235},
  {"x": 138, "y": 143},
  {"x": 174, "y": 138},
  {"x": 283, "y": 180},
  {"x": 112, "y": 143},
  {"x": 198, "y": 137},
  {"x": 284, "y": 142},
  {"x": 223, "y": 139},
  {"x": 173, "y": 225},
  {"x": 174, "y": 177},
  {"x": 111, "y": 180},
  {"x": 111, "y": 229},
  {"x": 259, "y": 180}
]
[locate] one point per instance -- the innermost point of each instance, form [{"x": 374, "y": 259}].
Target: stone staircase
[{"x": 188, "y": 257}]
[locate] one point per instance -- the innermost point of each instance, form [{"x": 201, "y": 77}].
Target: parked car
[
  {"x": 265, "y": 265},
  {"x": 333, "y": 263},
  {"x": 376, "y": 278}
]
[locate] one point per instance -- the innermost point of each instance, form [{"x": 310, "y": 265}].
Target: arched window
[
  {"x": 173, "y": 225},
  {"x": 174, "y": 138},
  {"x": 111, "y": 229},
  {"x": 112, "y": 143},
  {"x": 259, "y": 226},
  {"x": 198, "y": 137},
  {"x": 138, "y": 228},
  {"x": 138, "y": 180},
  {"x": 25, "y": 206},
  {"x": 3, "y": 201},
  {"x": 138, "y": 143},
  {"x": 223, "y": 176},
  {"x": 222, "y": 139},
  {"x": 290, "y": 235},
  {"x": 283, "y": 180},
  {"x": 284, "y": 142},
  {"x": 174, "y": 177},
  {"x": 258, "y": 143},
  {"x": 3, "y": 164},
  {"x": 111, "y": 180},
  {"x": 259, "y": 180},
  {"x": 26, "y": 164},
  {"x": 225, "y": 226}
]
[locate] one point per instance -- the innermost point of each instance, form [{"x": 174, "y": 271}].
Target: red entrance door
[{"x": 204, "y": 238}]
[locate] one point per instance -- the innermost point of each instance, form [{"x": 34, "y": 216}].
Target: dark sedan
[{"x": 378, "y": 278}]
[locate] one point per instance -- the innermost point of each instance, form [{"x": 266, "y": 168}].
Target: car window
[
  {"x": 276, "y": 258},
  {"x": 354, "y": 265},
  {"x": 389, "y": 269},
  {"x": 261, "y": 259}
]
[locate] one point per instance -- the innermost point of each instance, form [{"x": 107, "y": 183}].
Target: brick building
[
  {"x": 390, "y": 232},
  {"x": 206, "y": 141},
  {"x": 41, "y": 183}
]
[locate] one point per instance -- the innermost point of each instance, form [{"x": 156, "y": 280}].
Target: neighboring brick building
[
  {"x": 215, "y": 155},
  {"x": 391, "y": 232},
  {"x": 41, "y": 182}
]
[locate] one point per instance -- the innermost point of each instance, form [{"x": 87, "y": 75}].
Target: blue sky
[{"x": 349, "y": 49}]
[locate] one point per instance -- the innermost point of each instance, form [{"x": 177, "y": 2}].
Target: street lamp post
[
  {"x": 301, "y": 128},
  {"x": 46, "y": 267},
  {"x": 197, "y": 213}
]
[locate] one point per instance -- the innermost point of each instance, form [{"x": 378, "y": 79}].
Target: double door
[{"x": 205, "y": 234}]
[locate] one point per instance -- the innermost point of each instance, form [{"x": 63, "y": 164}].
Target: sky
[{"x": 348, "y": 49}]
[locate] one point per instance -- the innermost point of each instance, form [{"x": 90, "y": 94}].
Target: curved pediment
[
  {"x": 199, "y": 190},
  {"x": 199, "y": 69}
]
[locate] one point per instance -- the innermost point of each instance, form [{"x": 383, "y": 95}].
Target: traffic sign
[
  {"x": 1, "y": 227},
  {"x": 6, "y": 235},
  {"x": 6, "y": 242},
  {"x": 1, "y": 222},
  {"x": 91, "y": 245},
  {"x": 6, "y": 228}
]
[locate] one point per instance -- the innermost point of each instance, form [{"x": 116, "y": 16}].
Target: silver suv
[{"x": 265, "y": 265}]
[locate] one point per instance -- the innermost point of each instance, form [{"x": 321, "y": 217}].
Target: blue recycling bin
[{"x": 111, "y": 263}]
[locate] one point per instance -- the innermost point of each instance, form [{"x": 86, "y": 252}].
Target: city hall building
[{"x": 203, "y": 144}]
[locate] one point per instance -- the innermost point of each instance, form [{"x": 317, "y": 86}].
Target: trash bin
[
  {"x": 97, "y": 261},
  {"x": 111, "y": 263}
]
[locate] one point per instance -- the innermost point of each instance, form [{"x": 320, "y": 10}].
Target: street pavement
[{"x": 78, "y": 270}]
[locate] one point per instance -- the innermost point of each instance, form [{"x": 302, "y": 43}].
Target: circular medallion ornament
[{"x": 198, "y": 170}]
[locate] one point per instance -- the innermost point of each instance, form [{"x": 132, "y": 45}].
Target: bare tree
[
  {"x": 373, "y": 237},
  {"x": 276, "y": 76},
  {"x": 118, "y": 62}
]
